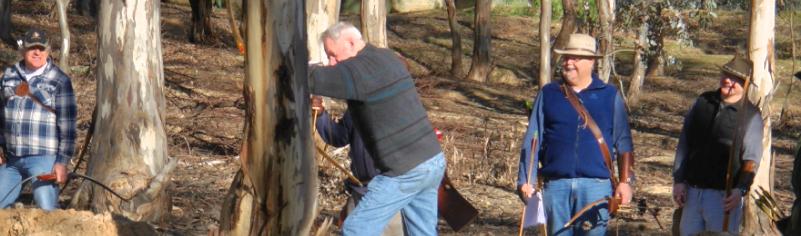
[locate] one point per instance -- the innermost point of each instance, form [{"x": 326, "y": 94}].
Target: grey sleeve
[
  {"x": 682, "y": 149},
  {"x": 752, "y": 139},
  {"x": 338, "y": 81}
]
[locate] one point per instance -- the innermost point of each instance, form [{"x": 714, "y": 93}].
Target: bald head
[{"x": 342, "y": 41}]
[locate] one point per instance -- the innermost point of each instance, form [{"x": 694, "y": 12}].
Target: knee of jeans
[{"x": 46, "y": 196}]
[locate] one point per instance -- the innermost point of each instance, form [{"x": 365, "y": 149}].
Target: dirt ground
[{"x": 483, "y": 124}]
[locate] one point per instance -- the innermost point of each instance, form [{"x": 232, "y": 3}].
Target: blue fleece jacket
[{"x": 565, "y": 148}]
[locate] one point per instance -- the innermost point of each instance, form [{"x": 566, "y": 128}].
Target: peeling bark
[
  {"x": 320, "y": 15},
  {"x": 374, "y": 22},
  {"x": 761, "y": 52},
  {"x": 277, "y": 191},
  {"x": 130, "y": 148}
]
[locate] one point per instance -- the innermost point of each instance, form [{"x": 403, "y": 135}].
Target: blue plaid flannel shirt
[{"x": 30, "y": 129}]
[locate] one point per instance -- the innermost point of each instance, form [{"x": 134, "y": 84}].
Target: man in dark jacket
[
  {"x": 702, "y": 155},
  {"x": 389, "y": 116},
  {"x": 573, "y": 165},
  {"x": 341, "y": 133}
]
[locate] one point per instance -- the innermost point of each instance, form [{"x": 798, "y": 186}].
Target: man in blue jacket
[
  {"x": 340, "y": 133},
  {"x": 572, "y": 165}
]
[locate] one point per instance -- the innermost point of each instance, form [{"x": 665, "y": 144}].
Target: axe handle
[{"x": 338, "y": 166}]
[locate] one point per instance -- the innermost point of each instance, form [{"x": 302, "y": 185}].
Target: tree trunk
[
  {"x": 87, "y": 7},
  {"x": 240, "y": 43},
  {"x": 656, "y": 50},
  {"x": 63, "y": 60},
  {"x": 606, "y": 16},
  {"x": 320, "y": 15},
  {"x": 201, "y": 21},
  {"x": 761, "y": 52},
  {"x": 568, "y": 27},
  {"x": 638, "y": 75},
  {"x": 793, "y": 227},
  {"x": 545, "y": 36},
  {"x": 481, "y": 66},
  {"x": 277, "y": 193},
  {"x": 456, "y": 39},
  {"x": 129, "y": 153},
  {"x": 374, "y": 22},
  {"x": 5, "y": 24}
]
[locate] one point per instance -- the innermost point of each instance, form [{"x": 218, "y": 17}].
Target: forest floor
[{"x": 482, "y": 123}]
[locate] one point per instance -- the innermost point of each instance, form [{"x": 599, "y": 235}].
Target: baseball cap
[{"x": 35, "y": 37}]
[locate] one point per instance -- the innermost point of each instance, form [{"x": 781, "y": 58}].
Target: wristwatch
[{"x": 631, "y": 179}]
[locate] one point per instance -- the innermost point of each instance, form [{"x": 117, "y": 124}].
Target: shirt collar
[
  {"x": 596, "y": 83},
  {"x": 30, "y": 74}
]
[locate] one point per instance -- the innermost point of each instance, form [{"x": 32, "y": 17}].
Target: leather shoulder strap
[{"x": 590, "y": 123}]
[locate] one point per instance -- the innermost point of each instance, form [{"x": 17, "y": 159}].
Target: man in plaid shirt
[{"x": 38, "y": 123}]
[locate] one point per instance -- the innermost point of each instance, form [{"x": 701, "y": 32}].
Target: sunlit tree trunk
[
  {"x": 545, "y": 44},
  {"x": 656, "y": 49},
  {"x": 456, "y": 39},
  {"x": 606, "y": 16},
  {"x": 320, "y": 14},
  {"x": 638, "y": 74},
  {"x": 64, "y": 59},
  {"x": 374, "y": 22},
  {"x": 201, "y": 21},
  {"x": 129, "y": 151},
  {"x": 568, "y": 27},
  {"x": 760, "y": 48},
  {"x": 276, "y": 193},
  {"x": 481, "y": 65}
]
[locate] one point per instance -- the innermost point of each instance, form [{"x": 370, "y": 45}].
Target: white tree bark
[
  {"x": 374, "y": 22},
  {"x": 761, "y": 52},
  {"x": 64, "y": 62},
  {"x": 606, "y": 16},
  {"x": 277, "y": 191},
  {"x": 545, "y": 44},
  {"x": 320, "y": 14},
  {"x": 638, "y": 76},
  {"x": 130, "y": 145}
]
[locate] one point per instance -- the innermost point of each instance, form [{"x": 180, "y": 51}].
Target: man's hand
[
  {"x": 624, "y": 192},
  {"x": 525, "y": 192},
  {"x": 317, "y": 104},
  {"x": 679, "y": 194},
  {"x": 732, "y": 200},
  {"x": 61, "y": 172}
]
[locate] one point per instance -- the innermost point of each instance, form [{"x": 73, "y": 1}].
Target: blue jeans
[
  {"x": 703, "y": 211},
  {"x": 563, "y": 198},
  {"x": 414, "y": 193},
  {"x": 18, "y": 168}
]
